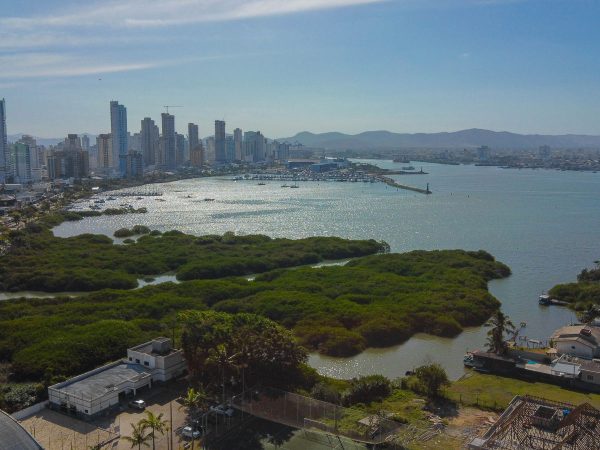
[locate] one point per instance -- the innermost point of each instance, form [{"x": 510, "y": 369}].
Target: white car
[
  {"x": 138, "y": 404},
  {"x": 223, "y": 410},
  {"x": 189, "y": 432}
]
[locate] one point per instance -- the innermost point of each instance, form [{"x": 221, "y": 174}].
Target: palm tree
[
  {"x": 156, "y": 424},
  {"x": 500, "y": 325},
  {"x": 194, "y": 401},
  {"x": 221, "y": 357},
  {"x": 138, "y": 436}
]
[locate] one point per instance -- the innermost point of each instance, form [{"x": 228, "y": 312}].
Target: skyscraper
[
  {"x": 118, "y": 129},
  {"x": 229, "y": 149},
  {"x": 105, "y": 153},
  {"x": 220, "y": 152},
  {"x": 85, "y": 142},
  {"x": 193, "y": 136},
  {"x": 168, "y": 140},
  {"x": 179, "y": 149},
  {"x": 21, "y": 162},
  {"x": 238, "y": 142},
  {"x": 149, "y": 137},
  {"x": 254, "y": 146},
  {"x": 4, "y": 155}
]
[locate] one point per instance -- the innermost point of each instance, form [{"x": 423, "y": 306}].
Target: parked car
[
  {"x": 223, "y": 410},
  {"x": 189, "y": 432},
  {"x": 138, "y": 404}
]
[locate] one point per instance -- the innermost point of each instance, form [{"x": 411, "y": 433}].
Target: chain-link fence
[{"x": 303, "y": 412}]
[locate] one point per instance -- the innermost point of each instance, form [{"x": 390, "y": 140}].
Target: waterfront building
[
  {"x": 230, "y": 149},
  {"x": 135, "y": 164},
  {"x": 68, "y": 164},
  {"x": 169, "y": 158},
  {"x": 149, "y": 141},
  {"x": 118, "y": 129},
  {"x": 193, "y": 136},
  {"x": 254, "y": 146},
  {"x": 93, "y": 393},
  {"x": 197, "y": 155},
  {"x": 582, "y": 341},
  {"x": 209, "y": 156},
  {"x": 134, "y": 142},
  {"x": 220, "y": 149},
  {"x": 105, "y": 154},
  {"x": 483, "y": 153},
  {"x": 239, "y": 144},
  {"x": 180, "y": 145}
]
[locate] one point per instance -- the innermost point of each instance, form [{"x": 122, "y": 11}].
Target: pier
[{"x": 392, "y": 183}]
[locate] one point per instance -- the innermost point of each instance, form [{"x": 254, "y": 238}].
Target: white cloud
[
  {"x": 36, "y": 65},
  {"x": 152, "y": 13}
]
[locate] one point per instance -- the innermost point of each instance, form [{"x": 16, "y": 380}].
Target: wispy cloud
[
  {"x": 36, "y": 65},
  {"x": 152, "y": 13}
]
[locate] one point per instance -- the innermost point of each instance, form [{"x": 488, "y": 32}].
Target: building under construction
[{"x": 536, "y": 424}]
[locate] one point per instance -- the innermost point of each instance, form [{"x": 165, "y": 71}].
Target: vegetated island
[
  {"x": 584, "y": 295},
  {"x": 373, "y": 301},
  {"x": 37, "y": 260}
]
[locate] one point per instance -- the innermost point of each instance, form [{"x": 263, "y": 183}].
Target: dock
[{"x": 392, "y": 183}]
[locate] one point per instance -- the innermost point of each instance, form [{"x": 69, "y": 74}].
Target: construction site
[{"x": 537, "y": 424}]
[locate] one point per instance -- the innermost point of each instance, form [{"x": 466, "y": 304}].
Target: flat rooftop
[
  {"x": 14, "y": 437},
  {"x": 149, "y": 348},
  {"x": 98, "y": 384}
]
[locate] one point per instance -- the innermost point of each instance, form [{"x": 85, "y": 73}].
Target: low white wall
[{"x": 24, "y": 413}]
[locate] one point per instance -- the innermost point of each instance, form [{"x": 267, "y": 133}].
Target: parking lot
[{"x": 58, "y": 431}]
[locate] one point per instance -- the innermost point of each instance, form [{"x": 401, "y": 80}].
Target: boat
[
  {"x": 139, "y": 198},
  {"x": 544, "y": 299},
  {"x": 209, "y": 199},
  {"x": 111, "y": 198},
  {"x": 261, "y": 184},
  {"x": 284, "y": 185}
]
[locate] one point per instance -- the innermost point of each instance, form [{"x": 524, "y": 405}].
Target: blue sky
[{"x": 284, "y": 66}]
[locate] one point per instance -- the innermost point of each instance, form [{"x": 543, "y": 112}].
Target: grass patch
[{"x": 495, "y": 392}]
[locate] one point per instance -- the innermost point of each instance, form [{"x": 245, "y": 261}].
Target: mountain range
[{"x": 379, "y": 140}]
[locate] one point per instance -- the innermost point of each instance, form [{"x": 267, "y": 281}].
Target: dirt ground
[{"x": 470, "y": 422}]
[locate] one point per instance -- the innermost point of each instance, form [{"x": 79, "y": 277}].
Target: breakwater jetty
[{"x": 392, "y": 183}]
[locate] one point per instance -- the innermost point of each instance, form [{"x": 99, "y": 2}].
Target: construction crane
[{"x": 171, "y": 106}]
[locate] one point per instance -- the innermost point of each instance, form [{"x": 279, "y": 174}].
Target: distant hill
[
  {"x": 48, "y": 141},
  {"x": 458, "y": 139}
]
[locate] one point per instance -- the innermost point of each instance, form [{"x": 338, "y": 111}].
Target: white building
[
  {"x": 90, "y": 394},
  {"x": 582, "y": 341},
  {"x": 157, "y": 355}
]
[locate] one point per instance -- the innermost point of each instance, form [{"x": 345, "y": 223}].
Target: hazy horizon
[{"x": 408, "y": 66}]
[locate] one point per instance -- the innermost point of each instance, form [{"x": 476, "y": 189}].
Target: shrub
[
  {"x": 367, "y": 389},
  {"x": 123, "y": 233}
]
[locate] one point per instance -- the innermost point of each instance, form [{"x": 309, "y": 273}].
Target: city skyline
[{"x": 283, "y": 67}]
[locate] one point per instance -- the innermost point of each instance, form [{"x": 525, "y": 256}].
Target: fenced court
[{"x": 311, "y": 415}]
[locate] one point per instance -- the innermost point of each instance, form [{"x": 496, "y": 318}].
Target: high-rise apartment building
[
  {"x": 239, "y": 144},
  {"x": 168, "y": 141},
  {"x": 21, "y": 162},
  {"x": 118, "y": 130},
  {"x": 180, "y": 145},
  {"x": 220, "y": 151},
  {"x": 105, "y": 153},
  {"x": 4, "y": 154},
  {"x": 193, "y": 136},
  {"x": 85, "y": 142},
  {"x": 70, "y": 162},
  {"x": 149, "y": 141},
  {"x": 254, "y": 146},
  {"x": 229, "y": 149}
]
